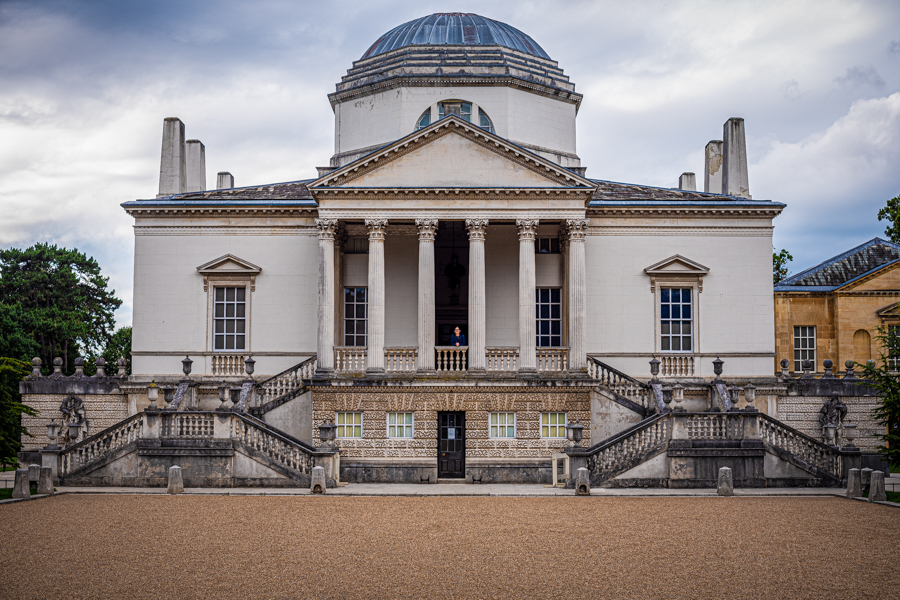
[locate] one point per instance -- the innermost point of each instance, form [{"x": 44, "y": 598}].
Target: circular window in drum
[{"x": 466, "y": 110}]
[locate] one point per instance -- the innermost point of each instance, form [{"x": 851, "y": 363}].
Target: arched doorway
[{"x": 862, "y": 346}]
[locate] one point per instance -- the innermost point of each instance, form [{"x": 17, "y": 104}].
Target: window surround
[
  {"x": 228, "y": 271},
  {"x": 348, "y": 424},
  {"x": 551, "y": 426},
  {"x": 409, "y": 427},
  {"x": 676, "y": 272},
  {"x": 494, "y": 419}
]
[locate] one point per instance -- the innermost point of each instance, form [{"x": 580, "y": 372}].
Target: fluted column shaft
[
  {"x": 375, "y": 308},
  {"x": 425, "y": 359},
  {"x": 477, "y": 229},
  {"x": 577, "y": 279},
  {"x": 527, "y": 334},
  {"x": 325, "y": 338}
]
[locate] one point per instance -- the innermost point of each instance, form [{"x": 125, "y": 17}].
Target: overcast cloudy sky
[{"x": 84, "y": 86}]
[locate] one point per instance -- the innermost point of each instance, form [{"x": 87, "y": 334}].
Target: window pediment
[
  {"x": 676, "y": 270},
  {"x": 229, "y": 268}
]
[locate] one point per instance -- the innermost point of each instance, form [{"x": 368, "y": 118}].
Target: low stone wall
[{"x": 802, "y": 413}]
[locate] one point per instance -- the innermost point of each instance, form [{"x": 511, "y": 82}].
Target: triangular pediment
[
  {"x": 889, "y": 311},
  {"x": 677, "y": 265},
  {"x": 452, "y": 153},
  {"x": 229, "y": 265}
]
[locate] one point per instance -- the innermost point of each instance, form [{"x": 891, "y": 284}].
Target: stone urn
[{"x": 327, "y": 433}]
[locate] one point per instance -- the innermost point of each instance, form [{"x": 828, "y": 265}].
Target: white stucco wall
[
  {"x": 501, "y": 270},
  {"x": 171, "y": 308},
  {"x": 517, "y": 115},
  {"x": 734, "y": 314},
  {"x": 401, "y": 281}
]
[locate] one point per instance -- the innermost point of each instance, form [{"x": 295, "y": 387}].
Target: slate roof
[
  {"x": 292, "y": 192},
  {"x": 457, "y": 29},
  {"x": 612, "y": 193},
  {"x": 843, "y": 268}
]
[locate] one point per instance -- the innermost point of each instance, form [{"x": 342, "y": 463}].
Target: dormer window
[{"x": 466, "y": 110}]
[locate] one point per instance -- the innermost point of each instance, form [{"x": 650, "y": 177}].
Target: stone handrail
[
  {"x": 451, "y": 359},
  {"x": 676, "y": 365},
  {"x": 350, "y": 359},
  {"x": 502, "y": 358},
  {"x": 101, "y": 444},
  {"x": 287, "y": 382},
  {"x": 281, "y": 449},
  {"x": 714, "y": 426},
  {"x": 400, "y": 358},
  {"x": 228, "y": 365},
  {"x": 626, "y": 449},
  {"x": 619, "y": 383},
  {"x": 808, "y": 450},
  {"x": 552, "y": 360}
]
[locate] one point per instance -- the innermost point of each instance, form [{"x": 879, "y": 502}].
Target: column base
[
  {"x": 476, "y": 372},
  {"x": 374, "y": 371},
  {"x": 527, "y": 373},
  {"x": 580, "y": 373}
]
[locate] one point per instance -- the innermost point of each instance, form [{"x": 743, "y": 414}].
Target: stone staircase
[
  {"x": 627, "y": 391},
  {"x": 284, "y": 387}
]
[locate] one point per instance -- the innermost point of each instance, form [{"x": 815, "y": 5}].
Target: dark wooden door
[{"x": 452, "y": 445}]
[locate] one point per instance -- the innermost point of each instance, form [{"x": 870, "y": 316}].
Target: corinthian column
[
  {"x": 477, "y": 229},
  {"x": 325, "y": 341},
  {"x": 527, "y": 334},
  {"x": 577, "y": 292},
  {"x": 375, "y": 308},
  {"x": 425, "y": 360}
]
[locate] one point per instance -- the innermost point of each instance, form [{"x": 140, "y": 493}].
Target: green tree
[
  {"x": 882, "y": 375},
  {"x": 119, "y": 346},
  {"x": 63, "y": 303},
  {"x": 11, "y": 409},
  {"x": 780, "y": 261},
  {"x": 891, "y": 214}
]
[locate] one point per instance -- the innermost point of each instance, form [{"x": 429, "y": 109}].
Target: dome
[{"x": 455, "y": 29}]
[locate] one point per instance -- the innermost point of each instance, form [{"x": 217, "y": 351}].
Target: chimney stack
[
  {"x": 687, "y": 182},
  {"x": 172, "y": 166},
  {"x": 735, "y": 181},
  {"x": 712, "y": 174},
  {"x": 224, "y": 181},
  {"x": 196, "y": 166}
]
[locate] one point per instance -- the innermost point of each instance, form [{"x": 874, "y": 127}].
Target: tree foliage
[
  {"x": 57, "y": 298},
  {"x": 119, "y": 346},
  {"x": 11, "y": 409},
  {"x": 882, "y": 375},
  {"x": 780, "y": 261},
  {"x": 891, "y": 214}
]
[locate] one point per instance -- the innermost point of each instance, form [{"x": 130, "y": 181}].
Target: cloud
[
  {"x": 861, "y": 75},
  {"x": 894, "y": 46},
  {"x": 790, "y": 90}
]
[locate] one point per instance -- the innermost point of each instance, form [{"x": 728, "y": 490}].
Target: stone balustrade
[
  {"x": 502, "y": 358},
  {"x": 672, "y": 365},
  {"x": 400, "y": 358},
  {"x": 619, "y": 383},
  {"x": 451, "y": 359},
  {"x": 227, "y": 365},
  {"x": 350, "y": 359},
  {"x": 552, "y": 360}
]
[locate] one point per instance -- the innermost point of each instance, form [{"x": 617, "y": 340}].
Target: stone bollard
[
  {"x": 726, "y": 483},
  {"x": 854, "y": 484},
  {"x": 582, "y": 482},
  {"x": 45, "y": 483},
  {"x": 176, "y": 480},
  {"x": 34, "y": 474},
  {"x": 876, "y": 487},
  {"x": 864, "y": 476},
  {"x": 22, "y": 488},
  {"x": 317, "y": 485}
]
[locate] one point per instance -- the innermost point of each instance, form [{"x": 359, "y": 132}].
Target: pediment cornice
[{"x": 451, "y": 125}]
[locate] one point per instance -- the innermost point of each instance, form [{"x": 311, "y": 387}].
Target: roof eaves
[{"x": 838, "y": 258}]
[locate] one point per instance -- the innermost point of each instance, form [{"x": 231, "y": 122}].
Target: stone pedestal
[
  {"x": 176, "y": 480},
  {"x": 375, "y": 308},
  {"x": 425, "y": 357},
  {"x": 45, "y": 482},
  {"x": 582, "y": 482},
  {"x": 527, "y": 334},
  {"x": 477, "y": 324},
  {"x": 725, "y": 485},
  {"x": 876, "y": 487},
  {"x": 317, "y": 483},
  {"x": 854, "y": 484},
  {"x": 21, "y": 488}
]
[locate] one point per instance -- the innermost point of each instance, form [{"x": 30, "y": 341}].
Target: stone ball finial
[
  {"x": 35, "y": 367},
  {"x": 849, "y": 364},
  {"x": 79, "y": 362},
  {"x": 785, "y": 363},
  {"x": 121, "y": 363},
  {"x": 870, "y": 364},
  {"x": 828, "y": 363},
  {"x": 57, "y": 362}
]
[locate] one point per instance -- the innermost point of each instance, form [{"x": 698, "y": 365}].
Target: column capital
[
  {"x": 477, "y": 228},
  {"x": 427, "y": 228},
  {"x": 326, "y": 228},
  {"x": 376, "y": 228},
  {"x": 527, "y": 228},
  {"x": 576, "y": 228}
]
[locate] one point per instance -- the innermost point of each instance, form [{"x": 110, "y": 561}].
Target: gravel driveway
[{"x": 247, "y": 547}]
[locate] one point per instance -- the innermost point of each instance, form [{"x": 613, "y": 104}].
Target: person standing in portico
[{"x": 458, "y": 338}]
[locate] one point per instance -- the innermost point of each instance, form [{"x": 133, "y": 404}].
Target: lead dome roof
[{"x": 465, "y": 29}]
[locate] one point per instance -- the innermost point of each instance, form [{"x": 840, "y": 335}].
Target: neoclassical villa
[{"x": 314, "y": 321}]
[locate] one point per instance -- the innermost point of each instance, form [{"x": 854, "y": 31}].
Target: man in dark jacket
[{"x": 457, "y": 339}]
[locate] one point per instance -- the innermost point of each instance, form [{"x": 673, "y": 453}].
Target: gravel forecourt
[{"x": 247, "y": 547}]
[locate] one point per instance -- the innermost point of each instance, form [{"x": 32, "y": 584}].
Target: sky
[{"x": 85, "y": 86}]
